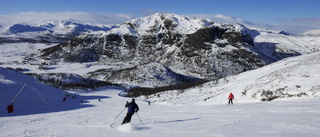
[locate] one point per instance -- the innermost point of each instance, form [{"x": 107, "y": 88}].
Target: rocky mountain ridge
[{"x": 206, "y": 49}]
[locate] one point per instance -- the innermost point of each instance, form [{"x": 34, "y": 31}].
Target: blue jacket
[{"x": 132, "y": 107}]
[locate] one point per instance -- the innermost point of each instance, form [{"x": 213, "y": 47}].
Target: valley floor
[{"x": 94, "y": 118}]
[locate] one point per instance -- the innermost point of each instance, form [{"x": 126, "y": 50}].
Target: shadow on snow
[
  {"x": 70, "y": 104},
  {"x": 179, "y": 120}
]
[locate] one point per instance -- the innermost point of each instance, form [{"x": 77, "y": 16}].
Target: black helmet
[{"x": 133, "y": 100}]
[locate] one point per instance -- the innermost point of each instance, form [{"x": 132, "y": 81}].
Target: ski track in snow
[{"x": 277, "y": 118}]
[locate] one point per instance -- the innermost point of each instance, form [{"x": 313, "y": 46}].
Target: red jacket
[{"x": 231, "y": 96}]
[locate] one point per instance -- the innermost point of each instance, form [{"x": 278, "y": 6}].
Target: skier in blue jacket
[{"x": 132, "y": 108}]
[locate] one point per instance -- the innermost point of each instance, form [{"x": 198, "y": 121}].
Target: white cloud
[
  {"x": 83, "y": 17},
  {"x": 295, "y": 26},
  {"x": 229, "y": 19},
  {"x": 300, "y": 25}
]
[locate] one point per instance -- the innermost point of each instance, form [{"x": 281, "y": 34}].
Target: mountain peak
[{"x": 165, "y": 22}]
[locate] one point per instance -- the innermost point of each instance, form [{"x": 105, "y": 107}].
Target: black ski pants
[
  {"x": 230, "y": 101},
  {"x": 127, "y": 119}
]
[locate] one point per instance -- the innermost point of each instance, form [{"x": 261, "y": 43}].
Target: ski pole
[
  {"x": 119, "y": 114},
  {"x": 139, "y": 117}
]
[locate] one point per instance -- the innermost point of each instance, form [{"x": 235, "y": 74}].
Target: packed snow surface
[{"x": 293, "y": 118}]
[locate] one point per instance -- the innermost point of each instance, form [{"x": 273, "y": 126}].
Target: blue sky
[{"x": 274, "y": 12}]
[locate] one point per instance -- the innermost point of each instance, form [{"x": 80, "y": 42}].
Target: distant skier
[
  {"x": 132, "y": 108},
  {"x": 231, "y": 97}
]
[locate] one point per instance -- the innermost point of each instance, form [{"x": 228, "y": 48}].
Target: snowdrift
[{"x": 35, "y": 94}]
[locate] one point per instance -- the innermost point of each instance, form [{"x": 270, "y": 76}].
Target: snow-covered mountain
[
  {"x": 292, "y": 77},
  {"x": 188, "y": 47},
  {"x": 160, "y": 23},
  {"x": 273, "y": 43},
  {"x": 48, "y": 32},
  {"x": 192, "y": 46}
]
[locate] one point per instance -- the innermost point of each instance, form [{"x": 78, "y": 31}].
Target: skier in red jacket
[{"x": 231, "y": 97}]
